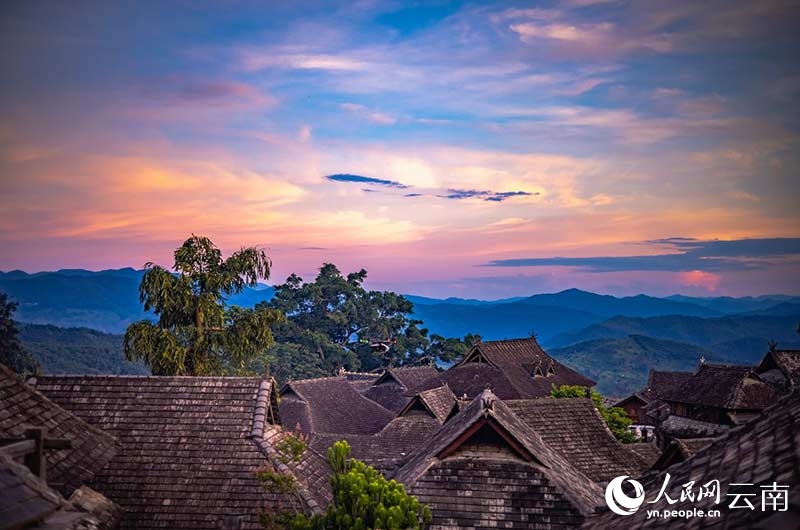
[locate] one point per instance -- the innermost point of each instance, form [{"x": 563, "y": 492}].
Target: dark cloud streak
[
  {"x": 486, "y": 195},
  {"x": 347, "y": 177},
  {"x": 709, "y": 256}
]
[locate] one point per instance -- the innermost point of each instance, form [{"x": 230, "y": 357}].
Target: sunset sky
[{"x": 451, "y": 149}]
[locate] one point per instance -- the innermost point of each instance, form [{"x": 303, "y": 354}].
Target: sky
[{"x": 477, "y": 150}]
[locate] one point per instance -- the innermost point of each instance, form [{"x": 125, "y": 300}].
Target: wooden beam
[
  {"x": 35, "y": 459},
  {"x": 18, "y": 449}
]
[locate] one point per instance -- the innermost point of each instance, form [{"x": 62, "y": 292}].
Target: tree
[
  {"x": 615, "y": 417},
  {"x": 12, "y": 352},
  {"x": 196, "y": 334},
  {"x": 362, "y": 499},
  {"x": 375, "y": 326},
  {"x": 450, "y": 349}
]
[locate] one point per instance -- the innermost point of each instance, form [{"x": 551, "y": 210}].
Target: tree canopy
[
  {"x": 12, "y": 353},
  {"x": 196, "y": 333},
  {"x": 334, "y": 322}
]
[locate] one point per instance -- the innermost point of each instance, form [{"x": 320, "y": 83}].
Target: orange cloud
[{"x": 705, "y": 280}]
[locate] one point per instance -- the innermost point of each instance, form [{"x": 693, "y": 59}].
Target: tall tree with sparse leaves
[{"x": 196, "y": 333}]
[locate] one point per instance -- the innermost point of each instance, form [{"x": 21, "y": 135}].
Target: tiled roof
[
  {"x": 682, "y": 427},
  {"x": 763, "y": 452},
  {"x": 27, "y": 501},
  {"x": 664, "y": 384},
  {"x": 647, "y": 451},
  {"x": 518, "y": 482},
  {"x": 311, "y": 469},
  {"x": 573, "y": 428},
  {"x": 513, "y": 369},
  {"x": 411, "y": 377},
  {"x": 388, "y": 448},
  {"x": 787, "y": 361},
  {"x": 188, "y": 458},
  {"x": 511, "y": 351},
  {"x": 680, "y": 449},
  {"x": 330, "y": 405},
  {"x": 439, "y": 401},
  {"x": 395, "y": 387},
  {"x": 361, "y": 381},
  {"x": 22, "y": 407},
  {"x": 726, "y": 386}
]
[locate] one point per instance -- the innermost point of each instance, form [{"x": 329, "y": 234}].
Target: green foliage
[
  {"x": 568, "y": 391},
  {"x": 77, "y": 350},
  {"x": 618, "y": 422},
  {"x": 12, "y": 353},
  {"x": 451, "y": 349},
  {"x": 291, "y": 448},
  {"x": 338, "y": 323},
  {"x": 276, "y": 482},
  {"x": 615, "y": 417},
  {"x": 362, "y": 500},
  {"x": 196, "y": 334},
  {"x": 301, "y": 353}
]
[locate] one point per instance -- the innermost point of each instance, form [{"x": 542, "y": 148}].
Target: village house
[
  {"x": 188, "y": 449},
  {"x": 781, "y": 368},
  {"x": 761, "y": 455},
  {"x": 513, "y": 369},
  {"x": 689, "y": 408},
  {"x": 186, "y": 452},
  {"x": 641, "y": 407}
]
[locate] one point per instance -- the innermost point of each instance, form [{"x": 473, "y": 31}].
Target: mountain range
[{"x": 613, "y": 339}]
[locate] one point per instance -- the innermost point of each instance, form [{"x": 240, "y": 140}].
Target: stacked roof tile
[
  {"x": 330, "y": 405},
  {"x": 486, "y": 468},
  {"x": 439, "y": 401},
  {"x": 782, "y": 368},
  {"x": 27, "y": 501},
  {"x": 22, "y": 407},
  {"x": 647, "y": 451},
  {"x": 664, "y": 384},
  {"x": 573, "y": 428},
  {"x": 680, "y": 449},
  {"x": 188, "y": 456},
  {"x": 395, "y": 387},
  {"x": 513, "y": 369},
  {"x": 729, "y": 387}
]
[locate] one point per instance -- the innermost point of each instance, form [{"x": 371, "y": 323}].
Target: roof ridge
[
  {"x": 518, "y": 339},
  {"x": 275, "y": 459},
  {"x": 260, "y": 411},
  {"x": 150, "y": 376},
  {"x": 321, "y": 378}
]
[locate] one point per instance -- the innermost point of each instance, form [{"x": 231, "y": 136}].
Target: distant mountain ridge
[
  {"x": 620, "y": 365},
  {"x": 709, "y": 333},
  {"x": 77, "y": 351},
  {"x": 612, "y": 339},
  {"x": 103, "y": 300}
]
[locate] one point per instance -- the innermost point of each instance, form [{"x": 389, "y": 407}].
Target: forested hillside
[{"x": 76, "y": 350}]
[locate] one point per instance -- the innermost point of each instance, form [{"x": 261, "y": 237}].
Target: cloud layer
[
  {"x": 691, "y": 255},
  {"x": 420, "y": 142}
]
